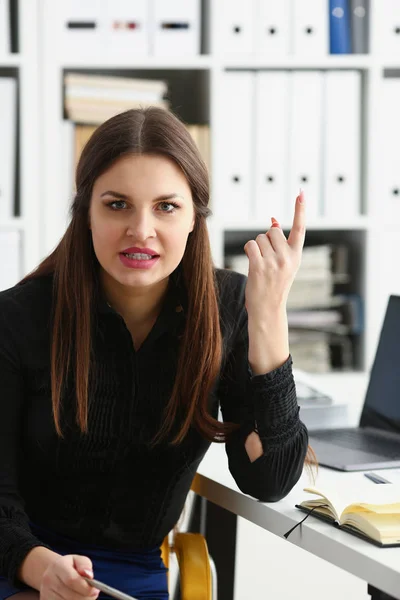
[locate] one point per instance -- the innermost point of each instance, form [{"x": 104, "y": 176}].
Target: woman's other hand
[{"x": 64, "y": 579}]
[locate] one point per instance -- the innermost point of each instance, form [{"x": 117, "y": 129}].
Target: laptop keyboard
[{"x": 356, "y": 439}]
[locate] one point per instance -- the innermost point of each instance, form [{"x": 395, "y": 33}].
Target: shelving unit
[{"x": 44, "y": 186}]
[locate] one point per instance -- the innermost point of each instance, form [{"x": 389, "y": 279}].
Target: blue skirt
[{"x": 140, "y": 574}]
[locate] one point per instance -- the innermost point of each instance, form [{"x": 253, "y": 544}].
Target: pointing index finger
[{"x": 298, "y": 231}]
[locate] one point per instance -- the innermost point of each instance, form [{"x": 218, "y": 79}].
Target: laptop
[{"x": 375, "y": 443}]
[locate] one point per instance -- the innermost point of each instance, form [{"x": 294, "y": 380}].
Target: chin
[{"x": 138, "y": 277}]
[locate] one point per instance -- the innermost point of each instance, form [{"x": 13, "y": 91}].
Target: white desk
[{"x": 380, "y": 567}]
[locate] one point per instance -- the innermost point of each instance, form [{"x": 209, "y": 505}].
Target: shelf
[
  {"x": 359, "y": 224},
  {"x": 10, "y": 60},
  {"x": 390, "y": 63},
  {"x": 139, "y": 62},
  {"x": 345, "y": 61},
  {"x": 206, "y": 61},
  {"x": 16, "y": 223}
]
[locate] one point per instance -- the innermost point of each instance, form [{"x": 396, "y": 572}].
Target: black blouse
[{"x": 107, "y": 487}]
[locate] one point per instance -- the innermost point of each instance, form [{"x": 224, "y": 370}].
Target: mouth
[
  {"x": 139, "y": 256},
  {"x": 139, "y": 250},
  {"x": 138, "y": 260}
]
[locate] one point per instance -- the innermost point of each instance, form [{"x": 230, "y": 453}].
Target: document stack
[
  {"x": 139, "y": 28},
  {"x": 322, "y": 315},
  {"x": 199, "y": 133},
  {"x": 201, "y": 137},
  {"x": 312, "y": 287},
  {"x": 290, "y": 130},
  {"x": 5, "y": 35},
  {"x": 296, "y": 27},
  {"x": 93, "y": 98}
]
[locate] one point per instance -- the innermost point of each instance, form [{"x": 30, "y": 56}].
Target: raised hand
[{"x": 273, "y": 264}]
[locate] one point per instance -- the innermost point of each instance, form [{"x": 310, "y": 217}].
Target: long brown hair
[{"x": 73, "y": 264}]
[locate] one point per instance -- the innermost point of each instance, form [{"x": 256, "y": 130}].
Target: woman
[{"x": 115, "y": 354}]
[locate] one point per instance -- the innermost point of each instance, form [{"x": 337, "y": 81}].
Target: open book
[{"x": 368, "y": 511}]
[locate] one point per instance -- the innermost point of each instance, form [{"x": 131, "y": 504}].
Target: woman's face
[{"x": 141, "y": 207}]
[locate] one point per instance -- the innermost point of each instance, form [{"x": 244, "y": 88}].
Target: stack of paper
[
  {"x": 320, "y": 319},
  {"x": 95, "y": 98},
  {"x": 199, "y": 133},
  {"x": 313, "y": 285}
]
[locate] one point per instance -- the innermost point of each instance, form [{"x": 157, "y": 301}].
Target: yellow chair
[{"x": 194, "y": 565}]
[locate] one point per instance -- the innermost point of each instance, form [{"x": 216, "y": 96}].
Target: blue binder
[{"x": 339, "y": 27}]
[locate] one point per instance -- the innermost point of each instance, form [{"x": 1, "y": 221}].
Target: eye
[
  {"x": 111, "y": 204},
  {"x": 168, "y": 207}
]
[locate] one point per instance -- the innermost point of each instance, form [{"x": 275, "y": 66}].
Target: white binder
[
  {"x": 175, "y": 27},
  {"x": 237, "y": 27},
  {"x": 272, "y": 27},
  {"x": 8, "y": 134},
  {"x": 10, "y": 269},
  {"x": 271, "y": 146},
  {"x": 113, "y": 26},
  {"x": 342, "y": 144},
  {"x": 310, "y": 25},
  {"x": 127, "y": 27},
  {"x": 387, "y": 39},
  {"x": 5, "y": 38},
  {"x": 389, "y": 205},
  {"x": 305, "y": 140},
  {"x": 82, "y": 26},
  {"x": 236, "y": 164}
]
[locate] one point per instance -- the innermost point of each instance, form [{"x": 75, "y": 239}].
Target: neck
[{"x": 137, "y": 305}]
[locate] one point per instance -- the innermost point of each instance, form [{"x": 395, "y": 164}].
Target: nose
[{"x": 141, "y": 226}]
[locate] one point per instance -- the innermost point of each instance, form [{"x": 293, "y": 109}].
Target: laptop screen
[{"x": 382, "y": 402}]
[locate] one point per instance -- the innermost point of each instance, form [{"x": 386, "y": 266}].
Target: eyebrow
[{"x": 162, "y": 198}]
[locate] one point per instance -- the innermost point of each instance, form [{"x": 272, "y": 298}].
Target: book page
[
  {"x": 345, "y": 494},
  {"x": 384, "y": 528}
]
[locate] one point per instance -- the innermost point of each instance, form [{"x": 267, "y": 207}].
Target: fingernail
[
  {"x": 88, "y": 573},
  {"x": 301, "y": 196},
  {"x": 274, "y": 222}
]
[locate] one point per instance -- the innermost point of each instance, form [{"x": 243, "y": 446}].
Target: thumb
[
  {"x": 252, "y": 251},
  {"x": 84, "y": 566}
]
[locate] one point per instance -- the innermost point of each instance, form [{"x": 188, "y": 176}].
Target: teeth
[{"x": 139, "y": 256}]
